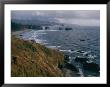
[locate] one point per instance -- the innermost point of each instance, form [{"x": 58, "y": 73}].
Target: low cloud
[{"x": 80, "y": 17}]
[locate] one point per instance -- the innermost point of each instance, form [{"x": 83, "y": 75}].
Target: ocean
[{"x": 82, "y": 46}]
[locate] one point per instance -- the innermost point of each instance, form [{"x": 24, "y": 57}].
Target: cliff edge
[{"x": 30, "y": 59}]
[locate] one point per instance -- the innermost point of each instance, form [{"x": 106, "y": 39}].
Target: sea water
[{"x": 76, "y": 43}]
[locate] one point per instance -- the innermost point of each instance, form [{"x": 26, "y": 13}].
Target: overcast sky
[{"x": 80, "y": 17}]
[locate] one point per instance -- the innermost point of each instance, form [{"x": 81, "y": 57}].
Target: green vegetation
[
  {"x": 19, "y": 26},
  {"x": 30, "y": 59}
]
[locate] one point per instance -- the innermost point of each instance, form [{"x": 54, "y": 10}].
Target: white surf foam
[
  {"x": 53, "y": 47},
  {"x": 66, "y": 51}
]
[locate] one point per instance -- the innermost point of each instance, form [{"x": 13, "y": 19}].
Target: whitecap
[
  {"x": 52, "y": 30},
  {"x": 85, "y": 53},
  {"x": 39, "y": 41},
  {"x": 91, "y": 56},
  {"x": 45, "y": 43},
  {"x": 53, "y": 46},
  {"x": 81, "y": 72},
  {"x": 41, "y": 33},
  {"x": 90, "y": 61},
  {"x": 66, "y": 51}
]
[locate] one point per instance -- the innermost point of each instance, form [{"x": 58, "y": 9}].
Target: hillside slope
[{"x": 30, "y": 59}]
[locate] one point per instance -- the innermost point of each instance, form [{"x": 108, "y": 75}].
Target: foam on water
[
  {"x": 55, "y": 47},
  {"x": 80, "y": 72},
  {"x": 90, "y": 61},
  {"x": 66, "y": 51}
]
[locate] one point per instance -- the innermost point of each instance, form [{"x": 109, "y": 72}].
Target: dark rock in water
[
  {"x": 21, "y": 35},
  {"x": 66, "y": 58},
  {"x": 68, "y": 28},
  {"x": 33, "y": 41},
  {"x": 72, "y": 50},
  {"x": 82, "y": 40},
  {"x": 81, "y": 59},
  {"x": 86, "y": 54},
  {"x": 46, "y": 27},
  {"x": 60, "y": 66},
  {"x": 91, "y": 66},
  {"x": 71, "y": 67},
  {"x": 80, "y": 51}
]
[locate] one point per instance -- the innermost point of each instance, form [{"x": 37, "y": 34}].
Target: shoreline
[
  {"x": 37, "y": 58},
  {"x": 67, "y": 68}
]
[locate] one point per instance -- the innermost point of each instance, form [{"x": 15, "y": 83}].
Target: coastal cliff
[{"x": 30, "y": 59}]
